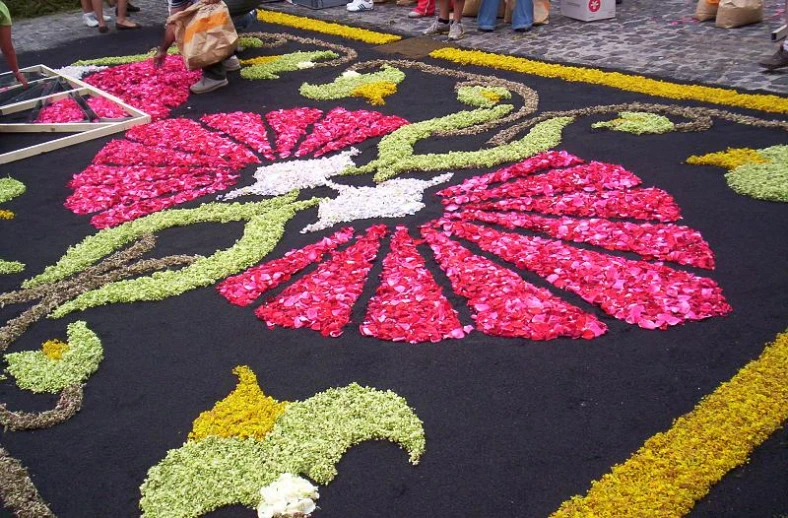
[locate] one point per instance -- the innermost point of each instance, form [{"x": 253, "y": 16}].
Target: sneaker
[
  {"x": 456, "y": 32},
  {"x": 206, "y": 84},
  {"x": 416, "y": 14},
  {"x": 359, "y": 5},
  {"x": 778, "y": 60},
  {"x": 232, "y": 64},
  {"x": 89, "y": 19},
  {"x": 437, "y": 27}
]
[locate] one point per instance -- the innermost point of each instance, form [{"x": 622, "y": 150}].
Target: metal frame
[{"x": 84, "y": 131}]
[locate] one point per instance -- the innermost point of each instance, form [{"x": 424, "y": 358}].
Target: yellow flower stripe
[
  {"x": 54, "y": 349},
  {"x": 334, "y": 29},
  {"x": 628, "y": 82},
  {"x": 729, "y": 159},
  {"x": 6, "y": 214},
  {"x": 673, "y": 470},
  {"x": 375, "y": 93}
]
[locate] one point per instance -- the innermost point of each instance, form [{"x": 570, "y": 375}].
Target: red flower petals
[
  {"x": 124, "y": 152},
  {"x": 323, "y": 301},
  {"x": 647, "y": 204},
  {"x": 341, "y": 128},
  {"x": 502, "y": 303},
  {"x": 243, "y": 289},
  {"x": 290, "y": 125},
  {"x": 649, "y": 295},
  {"x": 666, "y": 242},
  {"x": 540, "y": 162},
  {"x": 244, "y": 127},
  {"x": 67, "y": 110},
  {"x": 409, "y": 305}
]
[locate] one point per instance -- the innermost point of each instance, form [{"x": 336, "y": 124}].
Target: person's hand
[
  {"x": 159, "y": 57},
  {"x": 21, "y": 78}
]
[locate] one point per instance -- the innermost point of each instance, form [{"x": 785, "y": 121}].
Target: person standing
[
  {"x": 780, "y": 58},
  {"x": 522, "y": 15},
  {"x": 90, "y": 13},
  {"x": 441, "y": 24},
  {"x": 7, "y": 44}
]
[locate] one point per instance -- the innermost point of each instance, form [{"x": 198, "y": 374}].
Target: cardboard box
[{"x": 589, "y": 10}]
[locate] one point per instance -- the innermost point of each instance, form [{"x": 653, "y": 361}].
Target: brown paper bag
[
  {"x": 541, "y": 11},
  {"x": 706, "y": 10},
  {"x": 204, "y": 33},
  {"x": 735, "y": 13}
]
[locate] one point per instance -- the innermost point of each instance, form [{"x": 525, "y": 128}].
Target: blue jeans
[{"x": 522, "y": 17}]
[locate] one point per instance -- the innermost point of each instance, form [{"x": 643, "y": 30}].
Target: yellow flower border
[
  {"x": 628, "y": 82},
  {"x": 334, "y": 29},
  {"x": 675, "y": 469}
]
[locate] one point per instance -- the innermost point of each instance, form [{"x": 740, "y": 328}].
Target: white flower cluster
[
  {"x": 391, "y": 199},
  {"x": 79, "y": 71},
  {"x": 283, "y": 177},
  {"x": 287, "y": 497}
]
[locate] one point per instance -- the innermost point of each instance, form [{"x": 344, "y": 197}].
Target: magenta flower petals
[
  {"x": 649, "y": 295},
  {"x": 646, "y": 204},
  {"x": 244, "y": 127},
  {"x": 667, "y": 242},
  {"x": 502, "y": 303},
  {"x": 323, "y": 300},
  {"x": 341, "y": 128},
  {"x": 124, "y": 152},
  {"x": 408, "y": 305},
  {"x": 290, "y": 125},
  {"x": 243, "y": 289},
  {"x": 67, "y": 110}
]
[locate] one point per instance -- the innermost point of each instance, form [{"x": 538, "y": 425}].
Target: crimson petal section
[
  {"x": 323, "y": 300},
  {"x": 409, "y": 305},
  {"x": 503, "y": 304},
  {"x": 290, "y": 125},
  {"x": 244, "y": 127}
]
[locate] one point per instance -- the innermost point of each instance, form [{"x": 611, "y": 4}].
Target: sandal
[
  {"x": 131, "y": 27},
  {"x": 103, "y": 29}
]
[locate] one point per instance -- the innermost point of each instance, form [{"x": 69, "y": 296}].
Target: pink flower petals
[
  {"x": 323, "y": 300},
  {"x": 341, "y": 128},
  {"x": 649, "y": 295},
  {"x": 244, "y": 127},
  {"x": 667, "y": 242},
  {"x": 290, "y": 125},
  {"x": 646, "y": 204},
  {"x": 67, "y": 110},
  {"x": 124, "y": 152},
  {"x": 408, "y": 305},
  {"x": 243, "y": 289},
  {"x": 505, "y": 305}
]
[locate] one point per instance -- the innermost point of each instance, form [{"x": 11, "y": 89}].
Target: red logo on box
[{"x": 594, "y": 5}]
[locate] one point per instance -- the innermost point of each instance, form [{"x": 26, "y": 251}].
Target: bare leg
[
  {"x": 443, "y": 9},
  {"x": 98, "y": 10},
  {"x": 459, "y": 5}
]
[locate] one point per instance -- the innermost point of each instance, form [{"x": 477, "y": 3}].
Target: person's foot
[
  {"x": 232, "y": 64},
  {"x": 416, "y": 14},
  {"x": 206, "y": 84},
  {"x": 359, "y": 5},
  {"x": 89, "y": 19},
  {"x": 437, "y": 27},
  {"x": 127, "y": 26},
  {"x": 522, "y": 29},
  {"x": 485, "y": 29},
  {"x": 778, "y": 60},
  {"x": 456, "y": 32},
  {"x": 103, "y": 29}
]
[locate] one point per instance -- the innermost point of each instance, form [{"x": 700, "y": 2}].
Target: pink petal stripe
[
  {"x": 244, "y": 288},
  {"x": 647, "y": 204},
  {"x": 372, "y": 124},
  {"x": 244, "y": 127},
  {"x": 667, "y": 242},
  {"x": 125, "y": 152},
  {"x": 336, "y": 124},
  {"x": 290, "y": 125},
  {"x": 503, "y": 304},
  {"x": 408, "y": 304},
  {"x": 324, "y": 299},
  {"x": 649, "y": 295}
]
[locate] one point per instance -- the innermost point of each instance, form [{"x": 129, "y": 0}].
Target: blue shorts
[{"x": 176, "y": 4}]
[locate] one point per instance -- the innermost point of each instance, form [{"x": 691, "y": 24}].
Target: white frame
[{"x": 84, "y": 130}]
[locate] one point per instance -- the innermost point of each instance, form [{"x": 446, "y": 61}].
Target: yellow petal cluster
[
  {"x": 54, "y": 349},
  {"x": 729, "y": 159},
  {"x": 334, "y": 29},
  {"x": 245, "y": 413},
  {"x": 259, "y": 60},
  {"x": 375, "y": 93},
  {"x": 6, "y": 214},
  {"x": 628, "y": 82},
  {"x": 675, "y": 469}
]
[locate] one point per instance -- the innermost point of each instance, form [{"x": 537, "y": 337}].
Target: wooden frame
[
  {"x": 84, "y": 131},
  {"x": 780, "y": 33}
]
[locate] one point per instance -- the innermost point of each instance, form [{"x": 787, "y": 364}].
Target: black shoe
[{"x": 778, "y": 60}]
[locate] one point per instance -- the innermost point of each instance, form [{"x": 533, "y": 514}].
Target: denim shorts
[{"x": 176, "y": 4}]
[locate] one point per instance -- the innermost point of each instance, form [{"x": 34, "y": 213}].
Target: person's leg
[
  {"x": 98, "y": 11},
  {"x": 523, "y": 15},
  {"x": 488, "y": 13},
  {"x": 457, "y": 32},
  {"x": 441, "y": 24},
  {"x": 780, "y": 58},
  {"x": 122, "y": 22}
]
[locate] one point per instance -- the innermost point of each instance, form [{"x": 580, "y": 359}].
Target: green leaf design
[{"x": 638, "y": 123}]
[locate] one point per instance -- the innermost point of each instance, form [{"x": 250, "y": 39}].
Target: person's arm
[
  {"x": 161, "y": 54},
  {"x": 7, "y": 48}
]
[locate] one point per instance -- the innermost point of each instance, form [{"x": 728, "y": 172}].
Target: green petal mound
[
  {"x": 309, "y": 438},
  {"x": 10, "y": 189},
  {"x": 9, "y": 267},
  {"x": 351, "y": 84},
  {"x": 766, "y": 181},
  {"x": 481, "y": 96},
  {"x": 45, "y": 371},
  {"x": 638, "y": 123},
  {"x": 267, "y": 67}
]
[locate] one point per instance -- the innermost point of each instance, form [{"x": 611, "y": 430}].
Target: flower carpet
[{"x": 350, "y": 284}]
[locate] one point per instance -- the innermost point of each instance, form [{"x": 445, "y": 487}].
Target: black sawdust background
[{"x": 513, "y": 427}]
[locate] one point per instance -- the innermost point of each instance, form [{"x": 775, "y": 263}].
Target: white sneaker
[
  {"x": 437, "y": 27},
  {"x": 206, "y": 84},
  {"x": 232, "y": 64},
  {"x": 359, "y": 5},
  {"x": 456, "y": 32},
  {"x": 416, "y": 14},
  {"x": 89, "y": 19}
]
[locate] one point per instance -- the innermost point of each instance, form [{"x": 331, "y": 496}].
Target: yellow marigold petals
[
  {"x": 54, "y": 349},
  {"x": 490, "y": 96},
  {"x": 335, "y": 29},
  {"x": 629, "y": 82},
  {"x": 259, "y": 60},
  {"x": 245, "y": 413},
  {"x": 375, "y": 93},
  {"x": 731, "y": 158},
  {"x": 674, "y": 469},
  {"x": 6, "y": 214}
]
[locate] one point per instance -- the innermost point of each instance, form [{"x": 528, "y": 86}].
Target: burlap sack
[
  {"x": 204, "y": 34},
  {"x": 541, "y": 11},
  {"x": 735, "y": 13},
  {"x": 706, "y": 10}
]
